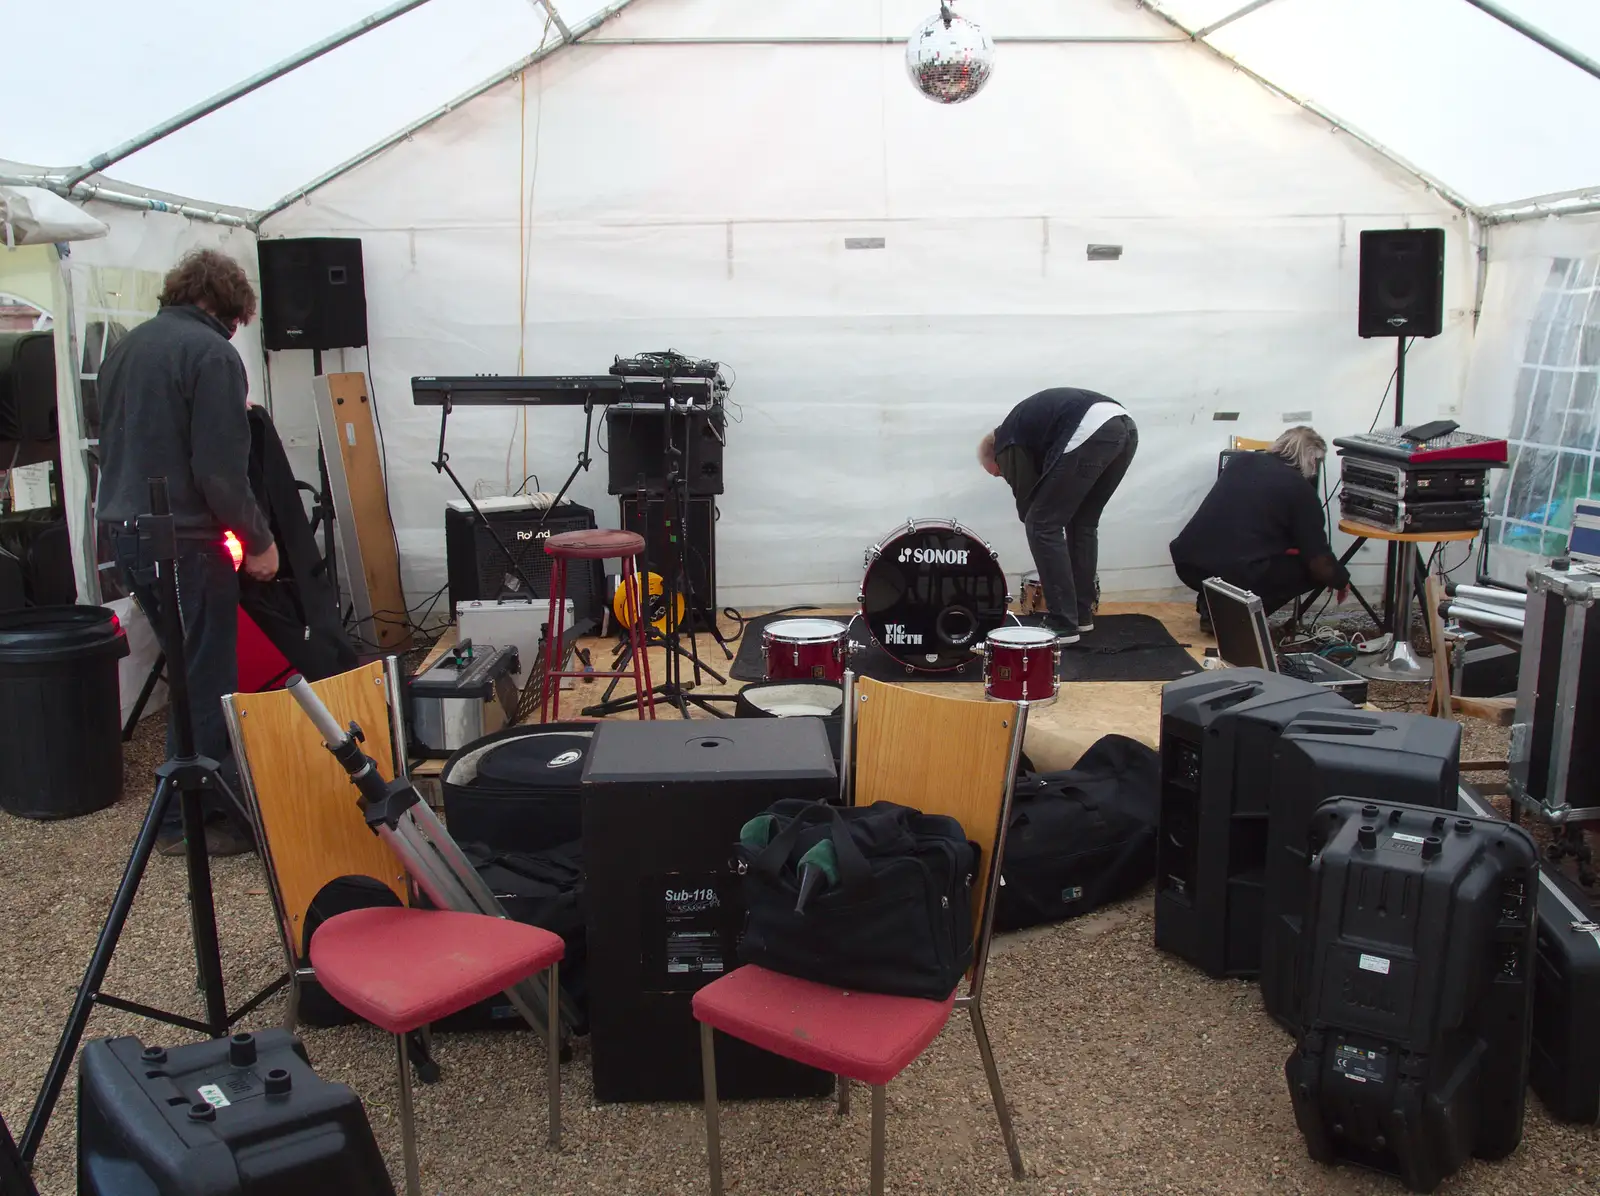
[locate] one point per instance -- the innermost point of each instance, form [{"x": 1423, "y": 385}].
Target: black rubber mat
[{"x": 1120, "y": 648}]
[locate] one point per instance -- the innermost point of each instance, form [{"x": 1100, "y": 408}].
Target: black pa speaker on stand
[
  {"x": 313, "y": 293},
  {"x": 1402, "y": 282}
]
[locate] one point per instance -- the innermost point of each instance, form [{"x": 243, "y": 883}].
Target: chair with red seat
[
  {"x": 398, "y": 967},
  {"x": 939, "y": 755},
  {"x": 597, "y": 544}
]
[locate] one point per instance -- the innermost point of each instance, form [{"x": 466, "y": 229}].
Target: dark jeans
[
  {"x": 1280, "y": 580},
  {"x": 208, "y": 603},
  {"x": 1063, "y": 519}
]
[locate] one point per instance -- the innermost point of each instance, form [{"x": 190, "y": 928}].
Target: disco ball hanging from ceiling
[{"x": 949, "y": 58}]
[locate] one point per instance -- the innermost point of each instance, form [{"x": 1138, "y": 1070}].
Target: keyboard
[
  {"x": 491, "y": 390},
  {"x": 1395, "y": 444}
]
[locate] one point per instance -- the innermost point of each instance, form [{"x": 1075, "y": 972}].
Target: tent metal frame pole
[
  {"x": 1442, "y": 189},
  {"x": 583, "y": 29},
  {"x": 1537, "y": 207},
  {"x": 555, "y": 18},
  {"x": 1236, "y": 14},
  {"x": 189, "y": 115},
  {"x": 139, "y": 203},
  {"x": 1043, "y": 39},
  {"x": 1534, "y": 34}
]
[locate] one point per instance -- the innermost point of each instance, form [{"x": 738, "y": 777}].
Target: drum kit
[{"x": 934, "y": 599}]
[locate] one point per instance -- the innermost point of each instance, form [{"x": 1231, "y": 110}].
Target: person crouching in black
[
  {"x": 173, "y": 401},
  {"x": 1261, "y": 527}
]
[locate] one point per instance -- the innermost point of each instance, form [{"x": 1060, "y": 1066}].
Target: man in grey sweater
[{"x": 173, "y": 405}]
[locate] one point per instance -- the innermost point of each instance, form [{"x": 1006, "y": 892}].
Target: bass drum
[{"x": 932, "y": 592}]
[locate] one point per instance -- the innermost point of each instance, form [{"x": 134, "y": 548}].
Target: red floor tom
[
  {"x": 1020, "y": 665},
  {"x": 803, "y": 650}
]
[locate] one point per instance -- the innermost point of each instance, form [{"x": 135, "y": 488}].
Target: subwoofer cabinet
[
  {"x": 696, "y": 541},
  {"x": 636, "y": 443},
  {"x": 313, "y": 293},
  {"x": 663, "y": 803}
]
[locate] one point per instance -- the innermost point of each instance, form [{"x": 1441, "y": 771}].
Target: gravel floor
[{"x": 1129, "y": 1072}]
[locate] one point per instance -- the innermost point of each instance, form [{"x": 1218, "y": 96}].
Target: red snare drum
[
  {"x": 803, "y": 650},
  {"x": 1019, "y": 665}
]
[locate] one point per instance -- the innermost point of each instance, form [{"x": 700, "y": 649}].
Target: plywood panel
[
  {"x": 314, "y": 829},
  {"x": 939, "y": 755},
  {"x": 369, "y": 507}
]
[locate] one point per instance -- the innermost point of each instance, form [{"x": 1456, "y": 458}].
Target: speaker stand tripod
[{"x": 186, "y": 776}]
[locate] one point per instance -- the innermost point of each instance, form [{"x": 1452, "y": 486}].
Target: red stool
[{"x": 597, "y": 545}]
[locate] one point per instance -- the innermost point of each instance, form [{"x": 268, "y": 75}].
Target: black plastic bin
[{"x": 60, "y": 710}]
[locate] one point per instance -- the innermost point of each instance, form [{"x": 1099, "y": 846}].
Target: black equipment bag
[
  {"x": 317, "y": 1006},
  {"x": 898, "y": 918},
  {"x": 1082, "y": 838},
  {"x": 537, "y": 888}
]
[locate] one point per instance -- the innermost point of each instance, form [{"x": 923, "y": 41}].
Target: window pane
[
  {"x": 1579, "y": 431},
  {"x": 1550, "y": 394},
  {"x": 1572, "y": 481},
  {"x": 1561, "y": 349},
  {"x": 1524, "y": 393},
  {"x": 1585, "y": 275},
  {"x": 1529, "y": 496},
  {"x": 1589, "y": 348}
]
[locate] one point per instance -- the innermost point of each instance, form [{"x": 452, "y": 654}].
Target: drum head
[
  {"x": 1022, "y": 637},
  {"x": 931, "y": 595},
  {"x": 790, "y": 699},
  {"x": 805, "y": 631}
]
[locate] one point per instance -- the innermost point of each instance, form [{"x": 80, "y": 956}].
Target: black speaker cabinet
[
  {"x": 1218, "y": 731},
  {"x": 245, "y": 1116},
  {"x": 313, "y": 293},
  {"x": 478, "y": 569},
  {"x": 636, "y": 447},
  {"x": 697, "y": 544},
  {"x": 663, "y": 803},
  {"x": 1402, "y": 282},
  {"x": 27, "y": 386},
  {"x": 1383, "y": 756},
  {"x": 1420, "y": 963}
]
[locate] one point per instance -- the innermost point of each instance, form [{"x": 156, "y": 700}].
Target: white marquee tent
[{"x": 539, "y": 188}]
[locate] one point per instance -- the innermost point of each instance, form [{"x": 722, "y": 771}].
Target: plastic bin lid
[{"x": 45, "y": 634}]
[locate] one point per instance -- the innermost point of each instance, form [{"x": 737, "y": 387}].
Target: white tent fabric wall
[{"x": 700, "y": 197}]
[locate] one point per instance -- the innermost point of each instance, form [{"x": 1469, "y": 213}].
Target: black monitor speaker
[
  {"x": 313, "y": 293},
  {"x": 1402, "y": 282}
]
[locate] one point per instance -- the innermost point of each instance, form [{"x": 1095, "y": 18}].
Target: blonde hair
[
  {"x": 986, "y": 450},
  {"x": 1303, "y": 448}
]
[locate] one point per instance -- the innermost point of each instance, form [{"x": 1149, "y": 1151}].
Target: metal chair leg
[
  {"x": 708, "y": 1072},
  {"x": 291, "y": 1015},
  {"x": 880, "y": 1114},
  {"x": 408, "y": 1129},
  {"x": 552, "y": 1050},
  {"x": 844, "y": 1095},
  {"x": 1002, "y": 1110}
]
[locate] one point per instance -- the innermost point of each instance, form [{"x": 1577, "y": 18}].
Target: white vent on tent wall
[
  {"x": 1297, "y": 417},
  {"x": 1105, "y": 253},
  {"x": 864, "y": 242},
  {"x": 1225, "y": 417}
]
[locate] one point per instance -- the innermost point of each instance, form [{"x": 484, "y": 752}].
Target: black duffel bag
[
  {"x": 1082, "y": 838},
  {"x": 893, "y": 912}
]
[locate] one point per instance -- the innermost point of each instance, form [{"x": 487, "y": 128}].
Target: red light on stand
[{"x": 235, "y": 549}]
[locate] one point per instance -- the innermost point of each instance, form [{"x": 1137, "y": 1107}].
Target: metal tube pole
[
  {"x": 260, "y": 79},
  {"x": 1534, "y": 34}
]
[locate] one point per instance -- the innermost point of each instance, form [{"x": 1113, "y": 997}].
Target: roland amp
[{"x": 478, "y": 570}]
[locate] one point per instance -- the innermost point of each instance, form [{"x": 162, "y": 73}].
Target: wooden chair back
[
  {"x": 310, "y": 828},
  {"x": 1243, "y": 444},
  {"x": 951, "y": 756}
]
